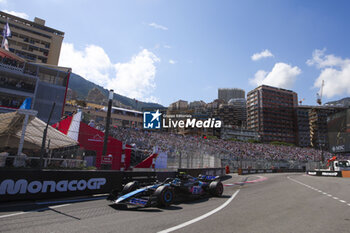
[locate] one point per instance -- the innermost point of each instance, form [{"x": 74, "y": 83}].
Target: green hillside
[{"x": 83, "y": 86}]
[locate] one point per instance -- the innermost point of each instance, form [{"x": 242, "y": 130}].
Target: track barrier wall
[
  {"x": 259, "y": 171},
  {"x": 345, "y": 174},
  {"x": 48, "y": 184},
  {"x": 204, "y": 171}
]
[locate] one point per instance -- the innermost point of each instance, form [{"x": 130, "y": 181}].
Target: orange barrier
[{"x": 345, "y": 174}]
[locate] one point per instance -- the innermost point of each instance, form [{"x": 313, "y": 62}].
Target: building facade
[
  {"x": 179, "y": 105},
  {"x": 232, "y": 114},
  {"x": 33, "y": 40},
  {"x": 318, "y": 125},
  {"x": 45, "y": 85},
  {"x": 271, "y": 112},
  {"x": 339, "y": 131},
  {"x": 230, "y": 93},
  {"x": 303, "y": 125}
]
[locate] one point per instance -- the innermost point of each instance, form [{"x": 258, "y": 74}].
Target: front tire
[
  {"x": 165, "y": 195},
  {"x": 129, "y": 187},
  {"x": 216, "y": 188}
]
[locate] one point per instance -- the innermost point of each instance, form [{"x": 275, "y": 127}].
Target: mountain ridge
[
  {"x": 343, "y": 102},
  {"x": 82, "y": 87}
]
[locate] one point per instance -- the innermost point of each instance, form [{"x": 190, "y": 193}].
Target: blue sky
[{"x": 169, "y": 50}]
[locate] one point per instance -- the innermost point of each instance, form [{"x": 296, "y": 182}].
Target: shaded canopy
[{"x": 11, "y": 130}]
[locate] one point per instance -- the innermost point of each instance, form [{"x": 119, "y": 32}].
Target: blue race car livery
[{"x": 163, "y": 194}]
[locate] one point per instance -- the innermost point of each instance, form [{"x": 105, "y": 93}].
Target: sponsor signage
[
  {"x": 27, "y": 184},
  {"x": 22, "y": 186},
  {"x": 329, "y": 173},
  {"x": 107, "y": 159},
  {"x": 325, "y": 173},
  {"x": 256, "y": 171}
]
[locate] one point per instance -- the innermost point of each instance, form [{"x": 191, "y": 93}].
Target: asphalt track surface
[{"x": 275, "y": 203}]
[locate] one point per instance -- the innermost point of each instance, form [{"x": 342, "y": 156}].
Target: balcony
[{"x": 12, "y": 67}]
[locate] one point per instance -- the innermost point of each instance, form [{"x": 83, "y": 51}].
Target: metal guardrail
[
  {"x": 15, "y": 68},
  {"x": 24, "y": 161},
  {"x": 265, "y": 164}
]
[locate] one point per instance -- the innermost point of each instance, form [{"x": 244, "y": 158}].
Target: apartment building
[
  {"x": 271, "y": 112},
  {"x": 32, "y": 40}
]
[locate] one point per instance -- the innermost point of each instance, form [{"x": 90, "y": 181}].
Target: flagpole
[{"x": 4, "y": 35}]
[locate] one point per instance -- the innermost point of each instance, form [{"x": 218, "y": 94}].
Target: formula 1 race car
[{"x": 163, "y": 194}]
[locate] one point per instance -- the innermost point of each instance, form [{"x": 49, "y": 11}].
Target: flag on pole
[
  {"x": 6, "y": 33},
  {"x": 27, "y": 103}
]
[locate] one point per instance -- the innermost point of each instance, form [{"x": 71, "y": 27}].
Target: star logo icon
[
  {"x": 156, "y": 116},
  {"x": 151, "y": 120}
]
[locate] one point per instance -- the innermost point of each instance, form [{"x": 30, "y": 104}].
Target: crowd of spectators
[
  {"x": 11, "y": 102},
  {"x": 17, "y": 65},
  {"x": 16, "y": 84},
  {"x": 10, "y": 62},
  {"x": 236, "y": 150}
]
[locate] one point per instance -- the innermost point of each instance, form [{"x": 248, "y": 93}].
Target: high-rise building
[
  {"x": 303, "y": 126},
  {"x": 230, "y": 93},
  {"x": 312, "y": 125},
  {"x": 233, "y": 114},
  {"x": 318, "y": 125},
  {"x": 339, "y": 131},
  {"x": 32, "y": 40},
  {"x": 271, "y": 112},
  {"x": 179, "y": 105}
]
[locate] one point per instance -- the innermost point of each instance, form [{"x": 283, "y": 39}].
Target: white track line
[
  {"x": 201, "y": 217},
  {"x": 71, "y": 200},
  {"x": 14, "y": 214},
  {"x": 30, "y": 211},
  {"x": 320, "y": 191},
  {"x": 53, "y": 207}
]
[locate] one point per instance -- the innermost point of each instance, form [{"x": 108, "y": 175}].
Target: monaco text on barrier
[{"x": 22, "y": 186}]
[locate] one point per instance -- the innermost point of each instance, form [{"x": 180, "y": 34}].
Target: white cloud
[
  {"x": 167, "y": 46},
  {"x": 135, "y": 79},
  {"x": 335, "y": 71},
  {"x": 18, "y": 14},
  {"x": 91, "y": 63},
  {"x": 282, "y": 75},
  {"x": 262, "y": 54},
  {"x": 172, "y": 62},
  {"x": 157, "y": 26}
]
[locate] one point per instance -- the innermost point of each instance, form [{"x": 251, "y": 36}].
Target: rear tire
[
  {"x": 165, "y": 196},
  {"x": 216, "y": 188},
  {"x": 129, "y": 187}
]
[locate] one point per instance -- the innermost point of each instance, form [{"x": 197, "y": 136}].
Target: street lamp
[{"x": 110, "y": 100}]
